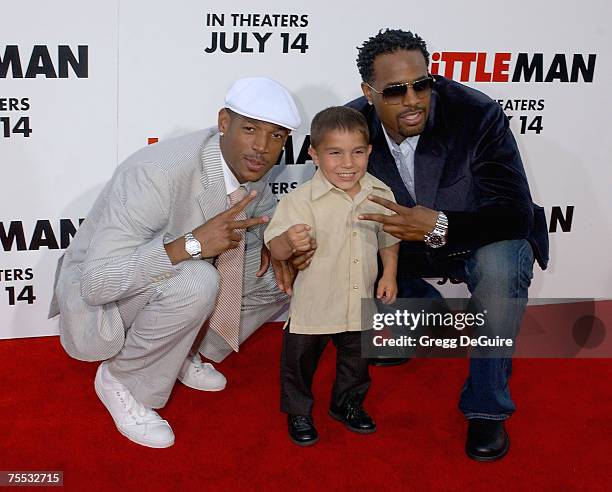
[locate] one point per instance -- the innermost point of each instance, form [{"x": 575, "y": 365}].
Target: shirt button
[
  {"x": 355, "y": 287},
  {"x": 355, "y": 260}
]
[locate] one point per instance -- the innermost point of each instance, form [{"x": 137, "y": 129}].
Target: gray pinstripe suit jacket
[{"x": 156, "y": 195}]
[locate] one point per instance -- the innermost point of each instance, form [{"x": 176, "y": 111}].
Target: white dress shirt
[
  {"x": 404, "y": 159},
  {"x": 231, "y": 183}
]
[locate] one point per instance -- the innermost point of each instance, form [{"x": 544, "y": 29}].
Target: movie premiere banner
[
  {"x": 81, "y": 88},
  {"x": 58, "y": 143}
]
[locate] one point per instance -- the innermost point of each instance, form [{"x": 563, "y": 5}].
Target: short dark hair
[
  {"x": 387, "y": 41},
  {"x": 337, "y": 118}
]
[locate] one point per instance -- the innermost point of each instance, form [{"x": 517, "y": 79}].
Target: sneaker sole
[
  {"x": 217, "y": 388},
  {"x": 352, "y": 429},
  {"x": 148, "y": 444}
]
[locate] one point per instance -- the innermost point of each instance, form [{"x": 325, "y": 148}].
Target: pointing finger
[
  {"x": 386, "y": 203},
  {"x": 241, "y": 205},
  {"x": 246, "y": 223},
  {"x": 375, "y": 217}
]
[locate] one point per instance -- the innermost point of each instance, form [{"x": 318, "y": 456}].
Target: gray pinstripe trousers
[{"x": 163, "y": 322}]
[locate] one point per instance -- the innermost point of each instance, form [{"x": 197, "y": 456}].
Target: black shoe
[
  {"x": 302, "y": 430},
  {"x": 388, "y": 361},
  {"x": 354, "y": 417},
  {"x": 487, "y": 440}
]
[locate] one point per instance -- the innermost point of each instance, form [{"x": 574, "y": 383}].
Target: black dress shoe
[
  {"x": 388, "y": 361},
  {"x": 354, "y": 417},
  {"x": 487, "y": 440},
  {"x": 302, "y": 430}
]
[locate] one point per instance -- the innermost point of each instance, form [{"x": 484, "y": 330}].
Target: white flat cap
[{"x": 263, "y": 99}]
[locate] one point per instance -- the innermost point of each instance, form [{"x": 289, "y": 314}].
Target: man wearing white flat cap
[{"x": 173, "y": 241}]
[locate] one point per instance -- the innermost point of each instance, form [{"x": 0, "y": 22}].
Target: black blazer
[{"x": 468, "y": 165}]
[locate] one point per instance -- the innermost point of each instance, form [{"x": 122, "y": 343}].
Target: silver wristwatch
[
  {"x": 193, "y": 246},
  {"x": 437, "y": 237}
]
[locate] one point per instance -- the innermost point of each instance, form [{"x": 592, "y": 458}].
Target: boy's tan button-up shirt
[{"x": 327, "y": 295}]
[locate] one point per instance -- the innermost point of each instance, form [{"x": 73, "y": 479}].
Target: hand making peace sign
[{"x": 408, "y": 223}]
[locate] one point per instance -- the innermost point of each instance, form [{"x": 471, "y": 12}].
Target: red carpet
[{"x": 50, "y": 419}]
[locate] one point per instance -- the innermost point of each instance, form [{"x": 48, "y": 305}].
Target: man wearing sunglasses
[{"x": 464, "y": 210}]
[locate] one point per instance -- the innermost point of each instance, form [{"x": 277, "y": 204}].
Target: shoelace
[
  {"x": 200, "y": 366},
  {"x": 301, "y": 421},
  {"x": 138, "y": 411},
  {"x": 354, "y": 410}
]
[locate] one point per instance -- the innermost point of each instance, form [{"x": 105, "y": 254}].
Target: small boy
[{"x": 322, "y": 216}]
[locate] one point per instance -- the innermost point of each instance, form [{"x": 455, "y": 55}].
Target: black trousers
[{"x": 299, "y": 359}]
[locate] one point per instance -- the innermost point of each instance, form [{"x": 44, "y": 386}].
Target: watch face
[
  {"x": 435, "y": 240},
  {"x": 193, "y": 247}
]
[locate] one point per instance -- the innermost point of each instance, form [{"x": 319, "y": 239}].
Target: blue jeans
[{"x": 500, "y": 270}]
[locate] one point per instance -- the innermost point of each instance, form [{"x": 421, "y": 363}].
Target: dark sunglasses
[{"x": 394, "y": 94}]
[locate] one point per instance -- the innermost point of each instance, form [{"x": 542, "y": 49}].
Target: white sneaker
[
  {"x": 201, "y": 376},
  {"x": 135, "y": 421}
]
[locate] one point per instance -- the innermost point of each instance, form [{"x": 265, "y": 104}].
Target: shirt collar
[
  {"x": 321, "y": 186},
  {"x": 408, "y": 144},
  {"x": 231, "y": 183}
]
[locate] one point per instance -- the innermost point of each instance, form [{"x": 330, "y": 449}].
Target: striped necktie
[
  {"x": 404, "y": 169},
  {"x": 225, "y": 319}
]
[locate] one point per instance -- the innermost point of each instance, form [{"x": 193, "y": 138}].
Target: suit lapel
[
  {"x": 429, "y": 162},
  {"x": 429, "y": 157},
  {"x": 382, "y": 164},
  {"x": 260, "y": 188},
  {"x": 213, "y": 198}
]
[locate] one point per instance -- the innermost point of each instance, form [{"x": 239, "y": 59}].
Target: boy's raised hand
[{"x": 299, "y": 237}]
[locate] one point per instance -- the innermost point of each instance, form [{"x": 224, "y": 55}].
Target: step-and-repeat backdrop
[{"x": 82, "y": 86}]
